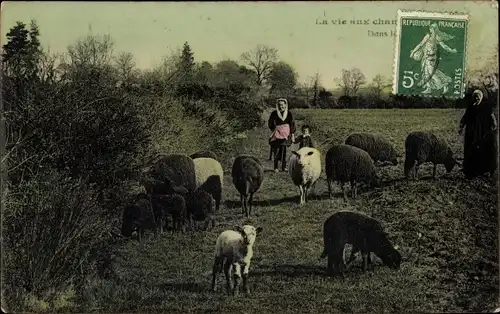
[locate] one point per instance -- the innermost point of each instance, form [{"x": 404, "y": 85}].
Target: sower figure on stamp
[
  {"x": 479, "y": 141},
  {"x": 428, "y": 53},
  {"x": 282, "y": 124}
]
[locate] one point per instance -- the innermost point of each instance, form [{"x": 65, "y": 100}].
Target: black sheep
[
  {"x": 364, "y": 233},
  {"x": 168, "y": 175},
  {"x": 201, "y": 206},
  {"x": 139, "y": 217},
  {"x": 421, "y": 147},
  {"x": 173, "y": 205},
  {"x": 248, "y": 174}
]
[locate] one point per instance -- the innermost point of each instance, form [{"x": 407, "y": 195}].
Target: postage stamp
[{"x": 430, "y": 54}]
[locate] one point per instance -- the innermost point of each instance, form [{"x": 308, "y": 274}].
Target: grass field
[{"x": 446, "y": 229}]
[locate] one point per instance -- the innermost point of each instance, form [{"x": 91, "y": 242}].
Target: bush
[{"x": 52, "y": 226}]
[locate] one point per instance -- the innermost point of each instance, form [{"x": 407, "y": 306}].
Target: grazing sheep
[
  {"x": 346, "y": 163},
  {"x": 139, "y": 217},
  {"x": 377, "y": 146},
  {"x": 169, "y": 174},
  {"x": 364, "y": 233},
  {"x": 205, "y": 154},
  {"x": 421, "y": 147},
  {"x": 305, "y": 169},
  {"x": 236, "y": 248},
  {"x": 200, "y": 206},
  {"x": 248, "y": 174},
  {"x": 209, "y": 177},
  {"x": 173, "y": 205}
]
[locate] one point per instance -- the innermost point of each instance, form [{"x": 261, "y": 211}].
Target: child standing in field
[
  {"x": 305, "y": 139},
  {"x": 282, "y": 124}
]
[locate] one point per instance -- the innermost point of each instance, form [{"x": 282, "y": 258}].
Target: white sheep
[
  {"x": 209, "y": 177},
  {"x": 305, "y": 169},
  {"x": 236, "y": 248}
]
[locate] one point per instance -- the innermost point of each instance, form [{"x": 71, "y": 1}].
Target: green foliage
[{"x": 282, "y": 79}]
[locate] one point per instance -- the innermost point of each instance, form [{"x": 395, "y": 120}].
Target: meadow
[{"x": 446, "y": 229}]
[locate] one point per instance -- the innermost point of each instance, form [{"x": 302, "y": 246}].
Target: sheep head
[
  {"x": 249, "y": 233},
  {"x": 304, "y": 155}
]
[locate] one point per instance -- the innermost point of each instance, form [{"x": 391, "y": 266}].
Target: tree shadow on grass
[{"x": 288, "y": 270}]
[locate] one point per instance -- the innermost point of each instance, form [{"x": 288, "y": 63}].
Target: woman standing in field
[
  {"x": 428, "y": 53},
  {"x": 480, "y": 138},
  {"x": 282, "y": 124}
]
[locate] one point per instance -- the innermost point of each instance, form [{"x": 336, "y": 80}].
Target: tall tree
[
  {"x": 125, "y": 67},
  {"x": 282, "y": 78},
  {"x": 22, "y": 51},
  {"x": 351, "y": 81},
  {"x": 379, "y": 82},
  {"x": 186, "y": 64},
  {"x": 261, "y": 60}
]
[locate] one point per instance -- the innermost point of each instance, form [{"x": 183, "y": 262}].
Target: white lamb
[
  {"x": 305, "y": 169},
  {"x": 236, "y": 248}
]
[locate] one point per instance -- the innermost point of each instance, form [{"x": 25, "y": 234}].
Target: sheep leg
[
  {"x": 227, "y": 268},
  {"x": 330, "y": 191},
  {"x": 344, "y": 191},
  {"x": 237, "y": 277},
  {"x": 250, "y": 199},
  {"x": 216, "y": 270},
  {"x": 416, "y": 171},
  {"x": 242, "y": 200},
  {"x": 313, "y": 189},
  {"x": 434, "y": 171},
  {"x": 301, "y": 192},
  {"x": 139, "y": 234},
  {"x": 306, "y": 189},
  {"x": 246, "y": 269},
  {"x": 364, "y": 254}
]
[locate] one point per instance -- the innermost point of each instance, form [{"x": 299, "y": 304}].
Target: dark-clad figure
[
  {"x": 305, "y": 139},
  {"x": 480, "y": 137},
  {"x": 282, "y": 124}
]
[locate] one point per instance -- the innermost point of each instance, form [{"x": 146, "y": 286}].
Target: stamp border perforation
[{"x": 427, "y": 14}]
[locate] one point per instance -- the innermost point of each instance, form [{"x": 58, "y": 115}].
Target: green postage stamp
[{"x": 430, "y": 54}]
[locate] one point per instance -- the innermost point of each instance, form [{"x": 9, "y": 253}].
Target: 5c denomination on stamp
[{"x": 430, "y": 54}]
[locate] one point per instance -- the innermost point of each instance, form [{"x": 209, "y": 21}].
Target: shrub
[{"x": 52, "y": 226}]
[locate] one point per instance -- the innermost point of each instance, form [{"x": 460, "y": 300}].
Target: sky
[{"x": 217, "y": 31}]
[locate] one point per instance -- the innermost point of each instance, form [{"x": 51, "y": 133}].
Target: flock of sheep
[{"x": 189, "y": 188}]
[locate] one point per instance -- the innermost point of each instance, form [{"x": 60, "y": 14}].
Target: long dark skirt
[
  {"x": 278, "y": 147},
  {"x": 480, "y": 156}
]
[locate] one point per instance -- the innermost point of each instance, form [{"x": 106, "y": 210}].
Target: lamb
[
  {"x": 200, "y": 206},
  {"x": 248, "y": 174},
  {"x": 209, "y": 177},
  {"x": 305, "y": 169},
  {"x": 377, "y": 146},
  {"x": 236, "y": 248},
  {"x": 421, "y": 147},
  {"x": 364, "y": 233},
  {"x": 169, "y": 174},
  {"x": 346, "y": 163},
  {"x": 139, "y": 217},
  {"x": 205, "y": 154},
  {"x": 173, "y": 205}
]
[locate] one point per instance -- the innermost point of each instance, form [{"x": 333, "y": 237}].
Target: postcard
[{"x": 250, "y": 157}]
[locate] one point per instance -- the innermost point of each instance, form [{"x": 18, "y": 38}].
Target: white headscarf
[
  {"x": 480, "y": 94},
  {"x": 285, "y": 113}
]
